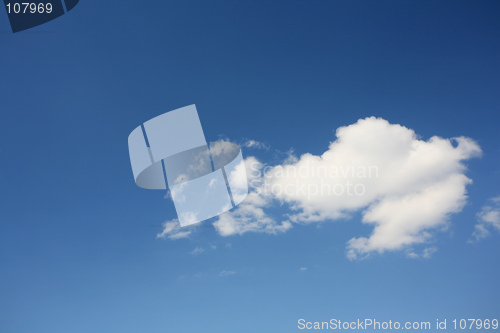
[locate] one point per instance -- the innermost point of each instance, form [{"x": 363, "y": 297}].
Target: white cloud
[
  {"x": 405, "y": 187},
  {"x": 303, "y": 269},
  {"x": 223, "y": 148},
  {"x": 426, "y": 253},
  {"x": 172, "y": 229},
  {"x": 405, "y": 220},
  {"x": 250, "y": 215},
  {"x": 197, "y": 250},
  {"x": 488, "y": 218},
  {"x": 255, "y": 144},
  {"x": 226, "y": 273}
]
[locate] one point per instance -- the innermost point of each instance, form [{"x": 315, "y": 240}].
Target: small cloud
[
  {"x": 228, "y": 245},
  {"x": 200, "y": 250},
  {"x": 488, "y": 218},
  {"x": 172, "y": 230},
  {"x": 426, "y": 253},
  {"x": 254, "y": 144},
  {"x": 197, "y": 250},
  {"x": 412, "y": 255},
  {"x": 226, "y": 273},
  {"x": 303, "y": 269}
]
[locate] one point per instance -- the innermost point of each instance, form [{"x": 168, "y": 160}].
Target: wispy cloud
[
  {"x": 303, "y": 269},
  {"x": 226, "y": 273},
  {"x": 173, "y": 230},
  {"x": 255, "y": 144},
  {"x": 488, "y": 218},
  {"x": 425, "y": 254},
  {"x": 197, "y": 250}
]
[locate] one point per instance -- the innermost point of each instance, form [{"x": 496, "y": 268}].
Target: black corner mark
[{"x": 26, "y": 14}]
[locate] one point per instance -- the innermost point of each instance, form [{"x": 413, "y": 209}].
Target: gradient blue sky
[{"x": 78, "y": 247}]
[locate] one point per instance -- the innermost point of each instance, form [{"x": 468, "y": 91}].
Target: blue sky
[{"x": 78, "y": 245}]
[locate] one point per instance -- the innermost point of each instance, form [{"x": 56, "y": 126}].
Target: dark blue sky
[{"x": 78, "y": 251}]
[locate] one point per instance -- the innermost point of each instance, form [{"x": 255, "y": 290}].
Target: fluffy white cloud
[
  {"x": 405, "y": 219},
  {"x": 488, "y": 218},
  {"x": 406, "y": 187}
]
